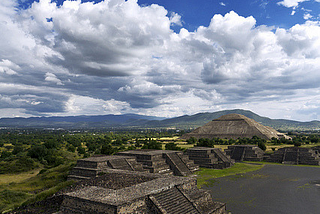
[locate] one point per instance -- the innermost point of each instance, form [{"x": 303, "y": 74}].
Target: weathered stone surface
[
  {"x": 138, "y": 192},
  {"x": 295, "y": 155},
  {"x": 163, "y": 161},
  {"x": 127, "y": 191},
  {"x": 88, "y": 168},
  {"x": 233, "y": 126},
  {"x": 245, "y": 153},
  {"x": 209, "y": 157}
]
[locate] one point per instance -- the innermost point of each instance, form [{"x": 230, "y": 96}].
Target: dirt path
[{"x": 274, "y": 189}]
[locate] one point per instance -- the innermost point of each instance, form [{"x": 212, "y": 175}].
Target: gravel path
[{"x": 274, "y": 189}]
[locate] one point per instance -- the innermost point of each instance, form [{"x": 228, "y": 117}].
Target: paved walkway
[{"x": 274, "y": 189}]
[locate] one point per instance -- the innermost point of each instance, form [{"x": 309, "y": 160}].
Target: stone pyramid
[
  {"x": 234, "y": 126},
  {"x": 295, "y": 155}
]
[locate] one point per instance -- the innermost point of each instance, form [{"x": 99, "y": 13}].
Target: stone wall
[
  {"x": 137, "y": 192},
  {"x": 295, "y": 155},
  {"x": 209, "y": 157},
  {"x": 245, "y": 153}
]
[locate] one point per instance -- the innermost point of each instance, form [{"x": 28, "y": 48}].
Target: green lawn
[{"x": 204, "y": 175}]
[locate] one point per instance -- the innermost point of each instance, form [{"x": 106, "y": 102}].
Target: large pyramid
[{"x": 234, "y": 126}]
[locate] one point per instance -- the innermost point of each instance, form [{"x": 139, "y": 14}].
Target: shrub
[
  {"x": 297, "y": 144},
  {"x": 152, "y": 145},
  {"x": 192, "y": 140},
  {"x": 38, "y": 152},
  {"x": 262, "y": 146},
  {"x": 205, "y": 142},
  {"x": 107, "y": 149},
  {"x": 172, "y": 146}
]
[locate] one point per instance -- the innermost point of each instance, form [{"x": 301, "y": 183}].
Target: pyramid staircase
[
  {"x": 164, "y": 161},
  {"x": 209, "y": 157},
  {"x": 295, "y": 155},
  {"x": 91, "y": 167},
  {"x": 245, "y": 153},
  {"x": 177, "y": 164},
  {"x": 172, "y": 201},
  {"x": 122, "y": 164}
]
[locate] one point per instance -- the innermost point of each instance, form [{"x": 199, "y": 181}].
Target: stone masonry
[
  {"x": 163, "y": 161},
  {"x": 209, "y": 157},
  {"x": 146, "y": 193},
  {"x": 138, "y": 181},
  {"x": 88, "y": 168},
  {"x": 245, "y": 153},
  {"x": 295, "y": 155},
  {"x": 153, "y": 161}
]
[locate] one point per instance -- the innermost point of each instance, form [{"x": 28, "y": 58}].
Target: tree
[
  {"x": 205, "y": 142},
  {"x": 152, "y": 144},
  {"x": 107, "y": 149},
  {"x": 262, "y": 146},
  {"x": 172, "y": 146},
  {"x": 192, "y": 140},
  {"x": 37, "y": 152},
  {"x": 297, "y": 144},
  {"x": 17, "y": 149},
  {"x": 81, "y": 150}
]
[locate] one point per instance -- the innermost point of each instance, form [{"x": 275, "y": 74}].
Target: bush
[
  {"x": 172, "y": 146},
  {"x": 38, "y": 152},
  {"x": 152, "y": 145},
  {"x": 22, "y": 164},
  {"x": 17, "y": 149},
  {"x": 5, "y": 154},
  {"x": 262, "y": 146},
  {"x": 107, "y": 149},
  {"x": 71, "y": 148},
  {"x": 297, "y": 144},
  {"x": 205, "y": 142},
  {"x": 192, "y": 140},
  {"x": 81, "y": 150}
]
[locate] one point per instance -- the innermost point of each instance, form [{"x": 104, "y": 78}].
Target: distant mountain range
[{"x": 140, "y": 121}]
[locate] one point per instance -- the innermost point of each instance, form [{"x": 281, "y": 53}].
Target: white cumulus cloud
[{"x": 116, "y": 56}]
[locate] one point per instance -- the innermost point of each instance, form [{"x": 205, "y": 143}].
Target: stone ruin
[
  {"x": 295, "y": 155},
  {"x": 316, "y": 149},
  {"x": 234, "y": 126},
  {"x": 121, "y": 191},
  {"x": 138, "y": 181},
  {"x": 209, "y": 157},
  {"x": 88, "y": 168},
  {"x": 163, "y": 161},
  {"x": 245, "y": 153},
  {"x": 153, "y": 161}
]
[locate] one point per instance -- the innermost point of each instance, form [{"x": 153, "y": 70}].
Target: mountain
[
  {"x": 96, "y": 121},
  {"x": 197, "y": 120},
  {"x": 142, "y": 121}
]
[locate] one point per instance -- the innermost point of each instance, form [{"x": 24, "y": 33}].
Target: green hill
[{"x": 131, "y": 121}]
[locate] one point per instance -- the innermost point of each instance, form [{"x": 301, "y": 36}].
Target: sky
[{"x": 162, "y": 58}]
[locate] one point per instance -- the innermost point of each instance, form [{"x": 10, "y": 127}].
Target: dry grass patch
[{"x": 18, "y": 178}]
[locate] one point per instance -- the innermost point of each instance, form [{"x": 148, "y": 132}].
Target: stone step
[
  {"x": 136, "y": 166},
  {"x": 86, "y": 172},
  {"x": 221, "y": 155},
  {"x": 174, "y": 202},
  {"x": 120, "y": 164},
  {"x": 177, "y": 165},
  {"x": 78, "y": 178},
  {"x": 87, "y": 164},
  {"x": 238, "y": 153}
]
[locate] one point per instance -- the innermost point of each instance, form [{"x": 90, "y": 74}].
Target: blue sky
[
  {"x": 195, "y": 13},
  {"x": 160, "y": 58}
]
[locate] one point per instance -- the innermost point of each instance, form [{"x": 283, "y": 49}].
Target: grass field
[
  {"x": 32, "y": 186},
  {"x": 6, "y": 179},
  {"x": 204, "y": 175}
]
